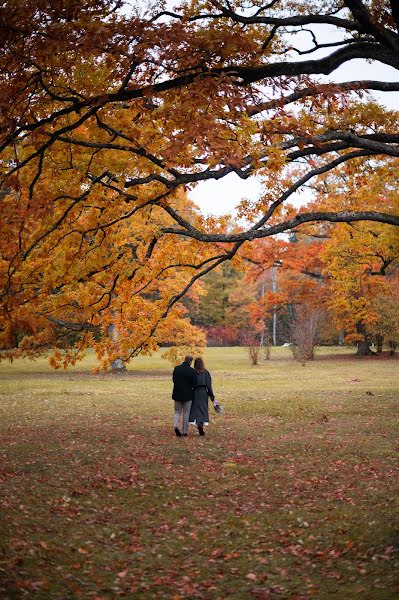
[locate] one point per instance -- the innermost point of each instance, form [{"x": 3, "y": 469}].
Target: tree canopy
[{"x": 110, "y": 114}]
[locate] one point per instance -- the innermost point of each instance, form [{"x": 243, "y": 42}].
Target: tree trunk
[
  {"x": 380, "y": 340},
  {"x": 117, "y": 365},
  {"x": 392, "y": 347},
  {"x": 363, "y": 347}
]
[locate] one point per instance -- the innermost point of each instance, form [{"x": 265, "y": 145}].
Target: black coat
[{"x": 183, "y": 380}]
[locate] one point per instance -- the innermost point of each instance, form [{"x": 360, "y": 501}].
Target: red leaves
[
  {"x": 122, "y": 574},
  {"x": 231, "y": 555}
]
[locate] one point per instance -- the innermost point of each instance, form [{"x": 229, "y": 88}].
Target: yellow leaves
[
  {"x": 115, "y": 114},
  {"x": 95, "y": 269},
  {"x": 354, "y": 338},
  {"x": 176, "y": 354}
]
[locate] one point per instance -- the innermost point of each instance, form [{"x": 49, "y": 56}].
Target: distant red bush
[{"x": 222, "y": 335}]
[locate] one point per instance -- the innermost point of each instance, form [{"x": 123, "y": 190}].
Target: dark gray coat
[{"x": 202, "y": 391}]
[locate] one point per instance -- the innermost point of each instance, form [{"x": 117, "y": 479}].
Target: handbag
[{"x": 218, "y": 407}]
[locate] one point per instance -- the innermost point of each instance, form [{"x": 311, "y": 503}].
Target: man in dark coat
[{"x": 183, "y": 383}]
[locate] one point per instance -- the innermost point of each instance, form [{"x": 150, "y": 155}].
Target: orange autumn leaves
[
  {"x": 110, "y": 117},
  {"x": 347, "y": 271}
]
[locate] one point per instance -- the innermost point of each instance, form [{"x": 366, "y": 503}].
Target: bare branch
[{"x": 365, "y": 20}]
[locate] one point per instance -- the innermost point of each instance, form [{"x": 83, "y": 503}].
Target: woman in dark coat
[{"x": 199, "y": 415}]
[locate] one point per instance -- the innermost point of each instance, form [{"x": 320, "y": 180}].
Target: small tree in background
[
  {"x": 304, "y": 332},
  {"x": 266, "y": 344},
  {"x": 251, "y": 340}
]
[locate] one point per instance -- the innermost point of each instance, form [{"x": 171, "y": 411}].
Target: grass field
[{"x": 292, "y": 493}]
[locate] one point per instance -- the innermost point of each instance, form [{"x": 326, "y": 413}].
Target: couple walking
[{"x": 191, "y": 389}]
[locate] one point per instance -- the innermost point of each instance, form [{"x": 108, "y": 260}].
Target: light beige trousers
[{"x": 182, "y": 408}]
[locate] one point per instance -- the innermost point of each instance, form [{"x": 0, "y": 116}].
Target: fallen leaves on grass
[{"x": 105, "y": 502}]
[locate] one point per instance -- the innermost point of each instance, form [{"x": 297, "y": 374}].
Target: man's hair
[{"x": 188, "y": 359}]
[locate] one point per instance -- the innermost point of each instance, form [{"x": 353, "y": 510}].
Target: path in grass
[{"x": 293, "y": 493}]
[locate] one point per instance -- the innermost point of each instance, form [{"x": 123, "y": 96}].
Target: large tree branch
[
  {"x": 239, "y": 75},
  {"x": 326, "y": 89},
  {"x": 365, "y": 19},
  {"x": 291, "y": 21},
  {"x": 289, "y": 225},
  {"x": 322, "y": 66},
  {"x": 395, "y": 12},
  {"x": 197, "y": 234},
  {"x": 186, "y": 178},
  {"x": 302, "y": 181},
  {"x": 384, "y": 144}
]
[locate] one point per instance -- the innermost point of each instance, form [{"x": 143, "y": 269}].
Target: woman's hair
[{"x": 199, "y": 364}]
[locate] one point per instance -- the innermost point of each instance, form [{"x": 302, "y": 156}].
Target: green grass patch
[{"x": 292, "y": 494}]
